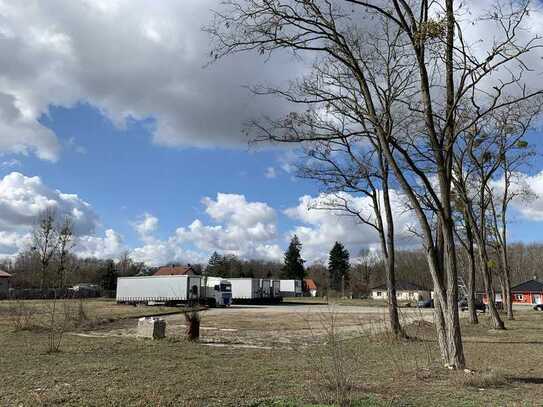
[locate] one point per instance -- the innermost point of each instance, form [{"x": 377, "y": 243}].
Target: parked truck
[
  {"x": 245, "y": 290},
  {"x": 174, "y": 290},
  {"x": 254, "y": 291},
  {"x": 291, "y": 288}
]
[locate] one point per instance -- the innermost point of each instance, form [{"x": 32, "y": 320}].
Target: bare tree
[
  {"x": 45, "y": 241},
  {"x": 65, "y": 245},
  {"x": 344, "y": 168},
  {"x": 515, "y": 155},
  {"x": 417, "y": 129}
]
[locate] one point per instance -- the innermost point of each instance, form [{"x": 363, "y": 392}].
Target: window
[
  {"x": 379, "y": 294},
  {"x": 519, "y": 297}
]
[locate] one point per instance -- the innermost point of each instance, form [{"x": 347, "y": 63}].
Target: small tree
[
  {"x": 45, "y": 241},
  {"x": 294, "y": 264},
  {"x": 338, "y": 267},
  {"x": 65, "y": 243},
  {"x": 108, "y": 276}
]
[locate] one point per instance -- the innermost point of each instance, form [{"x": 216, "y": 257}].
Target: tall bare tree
[
  {"x": 418, "y": 128},
  {"x": 45, "y": 241},
  {"x": 65, "y": 245}
]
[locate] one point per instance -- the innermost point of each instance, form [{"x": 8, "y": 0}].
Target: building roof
[
  {"x": 402, "y": 285},
  {"x": 310, "y": 284},
  {"x": 174, "y": 271},
  {"x": 530, "y": 286},
  {"x": 3, "y": 274}
]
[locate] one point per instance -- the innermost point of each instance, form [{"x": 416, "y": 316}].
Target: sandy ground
[{"x": 268, "y": 326}]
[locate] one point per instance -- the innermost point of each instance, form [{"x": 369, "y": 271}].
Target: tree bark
[
  {"x": 489, "y": 290},
  {"x": 472, "y": 312}
]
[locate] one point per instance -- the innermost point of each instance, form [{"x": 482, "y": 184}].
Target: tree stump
[{"x": 193, "y": 325}]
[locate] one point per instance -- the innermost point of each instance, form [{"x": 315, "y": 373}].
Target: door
[{"x": 536, "y": 298}]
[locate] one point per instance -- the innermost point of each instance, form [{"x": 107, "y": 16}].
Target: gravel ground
[{"x": 286, "y": 325}]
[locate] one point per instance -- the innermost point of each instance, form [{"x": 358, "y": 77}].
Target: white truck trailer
[
  {"x": 173, "y": 290},
  {"x": 291, "y": 288},
  {"x": 254, "y": 291},
  {"x": 276, "y": 288},
  {"x": 265, "y": 288},
  {"x": 245, "y": 290}
]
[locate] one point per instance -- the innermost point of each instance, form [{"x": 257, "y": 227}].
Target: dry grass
[
  {"x": 372, "y": 370},
  {"x": 482, "y": 380}
]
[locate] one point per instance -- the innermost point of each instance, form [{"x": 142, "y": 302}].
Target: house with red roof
[
  {"x": 528, "y": 292},
  {"x": 310, "y": 287},
  {"x": 175, "y": 271}
]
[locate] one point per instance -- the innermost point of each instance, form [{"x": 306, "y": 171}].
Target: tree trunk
[
  {"x": 193, "y": 329},
  {"x": 390, "y": 262},
  {"x": 473, "y": 319},
  {"x": 394, "y": 318},
  {"x": 489, "y": 290},
  {"x": 506, "y": 274},
  {"x": 452, "y": 319}
]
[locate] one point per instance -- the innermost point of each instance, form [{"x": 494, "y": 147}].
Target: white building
[
  {"x": 405, "y": 291},
  {"x": 4, "y": 283}
]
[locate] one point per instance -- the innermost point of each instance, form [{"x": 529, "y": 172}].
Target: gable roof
[
  {"x": 528, "y": 286},
  {"x": 174, "y": 271},
  {"x": 310, "y": 284},
  {"x": 3, "y": 274},
  {"x": 402, "y": 285}
]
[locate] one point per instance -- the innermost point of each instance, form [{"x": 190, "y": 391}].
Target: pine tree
[
  {"x": 215, "y": 266},
  {"x": 338, "y": 266},
  {"x": 108, "y": 276},
  {"x": 294, "y": 264}
]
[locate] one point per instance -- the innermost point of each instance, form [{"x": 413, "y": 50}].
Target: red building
[{"x": 529, "y": 292}]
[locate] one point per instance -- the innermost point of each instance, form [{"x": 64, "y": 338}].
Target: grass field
[{"x": 122, "y": 370}]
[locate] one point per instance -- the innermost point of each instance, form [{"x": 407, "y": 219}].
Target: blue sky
[{"x": 127, "y": 120}]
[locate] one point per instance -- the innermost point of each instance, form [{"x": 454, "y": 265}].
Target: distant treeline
[{"x": 364, "y": 273}]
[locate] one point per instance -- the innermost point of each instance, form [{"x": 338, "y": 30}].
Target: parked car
[
  {"x": 538, "y": 307},
  {"x": 425, "y": 304},
  {"x": 479, "y": 305}
]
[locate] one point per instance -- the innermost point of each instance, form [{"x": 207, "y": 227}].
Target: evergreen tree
[
  {"x": 108, "y": 276},
  {"x": 294, "y": 264},
  {"x": 215, "y": 266},
  {"x": 338, "y": 266}
]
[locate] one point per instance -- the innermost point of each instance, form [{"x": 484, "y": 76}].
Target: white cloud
[
  {"x": 270, "y": 173},
  {"x": 23, "y": 198},
  {"x": 63, "y": 52},
  {"x": 243, "y": 228},
  {"x": 146, "y": 226},
  {"x": 108, "y": 247},
  {"x": 322, "y": 228},
  {"x": 529, "y": 191},
  {"x": 10, "y": 163}
]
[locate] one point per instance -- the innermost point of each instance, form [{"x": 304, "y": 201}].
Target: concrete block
[{"x": 154, "y": 328}]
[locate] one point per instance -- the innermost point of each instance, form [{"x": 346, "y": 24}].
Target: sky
[{"x": 110, "y": 112}]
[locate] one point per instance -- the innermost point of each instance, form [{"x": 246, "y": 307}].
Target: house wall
[
  {"x": 403, "y": 295},
  {"x": 520, "y": 298},
  {"x": 527, "y": 298},
  {"x": 4, "y": 286}
]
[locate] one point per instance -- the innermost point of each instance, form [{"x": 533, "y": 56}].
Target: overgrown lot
[{"x": 366, "y": 370}]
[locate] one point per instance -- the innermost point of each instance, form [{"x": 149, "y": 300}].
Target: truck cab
[{"x": 218, "y": 292}]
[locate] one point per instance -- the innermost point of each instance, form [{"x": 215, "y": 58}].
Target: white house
[
  {"x": 4, "y": 283},
  {"x": 405, "y": 291}
]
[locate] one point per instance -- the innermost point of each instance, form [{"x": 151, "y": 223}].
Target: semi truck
[
  {"x": 174, "y": 290},
  {"x": 255, "y": 290},
  {"x": 245, "y": 290},
  {"x": 291, "y": 288}
]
